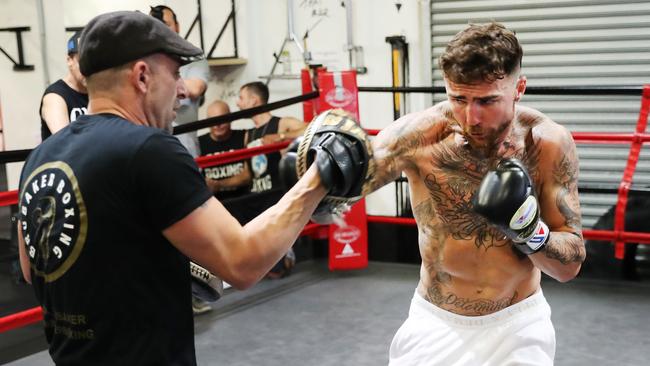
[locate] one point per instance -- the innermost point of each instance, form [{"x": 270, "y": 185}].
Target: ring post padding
[
  {"x": 628, "y": 173},
  {"x": 308, "y": 78},
  {"x": 348, "y": 245}
]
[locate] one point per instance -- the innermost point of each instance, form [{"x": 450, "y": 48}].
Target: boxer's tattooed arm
[
  {"x": 567, "y": 247},
  {"x": 393, "y": 152},
  {"x": 565, "y": 174}
]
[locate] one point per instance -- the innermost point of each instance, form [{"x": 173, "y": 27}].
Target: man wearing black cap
[
  {"x": 112, "y": 207},
  {"x": 67, "y": 98}
]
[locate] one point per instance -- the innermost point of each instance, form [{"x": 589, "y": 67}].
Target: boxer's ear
[{"x": 520, "y": 87}]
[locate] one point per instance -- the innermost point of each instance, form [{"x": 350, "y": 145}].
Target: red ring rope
[
  {"x": 230, "y": 156},
  {"x": 9, "y": 198},
  {"x": 21, "y": 319}
]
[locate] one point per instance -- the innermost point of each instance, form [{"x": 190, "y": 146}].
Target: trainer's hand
[{"x": 506, "y": 198}]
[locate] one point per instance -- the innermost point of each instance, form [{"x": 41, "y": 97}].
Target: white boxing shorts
[{"x": 521, "y": 334}]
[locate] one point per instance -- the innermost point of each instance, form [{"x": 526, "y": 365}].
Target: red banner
[{"x": 348, "y": 245}]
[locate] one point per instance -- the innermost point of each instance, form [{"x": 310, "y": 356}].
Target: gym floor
[{"x": 317, "y": 317}]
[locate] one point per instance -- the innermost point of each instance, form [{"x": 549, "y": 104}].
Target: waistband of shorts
[{"x": 535, "y": 302}]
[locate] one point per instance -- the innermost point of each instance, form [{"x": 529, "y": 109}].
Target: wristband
[{"x": 537, "y": 242}]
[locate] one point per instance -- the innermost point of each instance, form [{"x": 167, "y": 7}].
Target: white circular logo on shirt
[
  {"x": 259, "y": 163},
  {"x": 53, "y": 219}
]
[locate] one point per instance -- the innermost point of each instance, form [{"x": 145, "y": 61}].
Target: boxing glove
[{"x": 506, "y": 198}]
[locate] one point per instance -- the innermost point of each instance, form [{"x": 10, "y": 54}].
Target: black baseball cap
[
  {"x": 73, "y": 43},
  {"x": 113, "y": 39}
]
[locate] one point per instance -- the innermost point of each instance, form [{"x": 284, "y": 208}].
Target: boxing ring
[{"x": 388, "y": 285}]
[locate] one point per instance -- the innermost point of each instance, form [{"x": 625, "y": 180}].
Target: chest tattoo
[{"x": 453, "y": 177}]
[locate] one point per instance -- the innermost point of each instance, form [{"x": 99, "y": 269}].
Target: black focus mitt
[{"x": 343, "y": 154}]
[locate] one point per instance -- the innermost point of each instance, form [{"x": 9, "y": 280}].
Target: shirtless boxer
[
  {"x": 479, "y": 299},
  {"x": 494, "y": 190}
]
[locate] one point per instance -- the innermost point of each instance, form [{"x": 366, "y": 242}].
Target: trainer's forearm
[
  {"x": 276, "y": 229},
  {"x": 562, "y": 256}
]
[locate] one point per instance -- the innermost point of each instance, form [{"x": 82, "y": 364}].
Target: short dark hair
[
  {"x": 157, "y": 12},
  {"x": 258, "y": 88},
  {"x": 481, "y": 53}
]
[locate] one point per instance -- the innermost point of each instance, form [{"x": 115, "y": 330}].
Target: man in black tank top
[
  {"x": 67, "y": 98},
  {"x": 266, "y": 184},
  {"x": 268, "y": 129}
]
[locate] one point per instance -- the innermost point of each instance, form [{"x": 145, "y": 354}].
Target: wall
[
  {"x": 261, "y": 29},
  {"x": 20, "y": 91}
]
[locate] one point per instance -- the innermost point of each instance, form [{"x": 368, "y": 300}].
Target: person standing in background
[
  {"x": 195, "y": 75},
  {"x": 67, "y": 98}
]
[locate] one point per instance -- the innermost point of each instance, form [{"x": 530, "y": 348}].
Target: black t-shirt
[
  {"x": 266, "y": 176},
  {"x": 94, "y": 199},
  {"x": 77, "y": 104},
  {"x": 210, "y": 147}
]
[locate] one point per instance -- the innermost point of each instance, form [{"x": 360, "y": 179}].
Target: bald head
[
  {"x": 218, "y": 108},
  {"x": 219, "y": 132}
]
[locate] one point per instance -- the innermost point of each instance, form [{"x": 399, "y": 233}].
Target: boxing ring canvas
[{"x": 317, "y": 317}]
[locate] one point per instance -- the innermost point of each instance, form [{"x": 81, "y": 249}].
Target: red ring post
[{"x": 628, "y": 173}]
